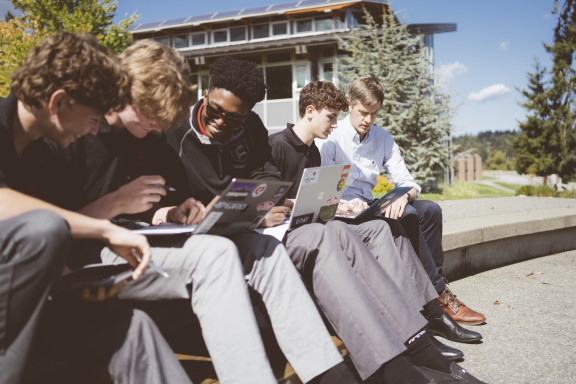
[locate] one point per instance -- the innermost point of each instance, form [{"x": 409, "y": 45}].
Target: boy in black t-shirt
[{"x": 57, "y": 93}]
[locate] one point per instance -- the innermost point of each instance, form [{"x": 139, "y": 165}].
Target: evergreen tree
[
  {"x": 562, "y": 94},
  {"x": 39, "y": 18},
  {"x": 537, "y": 146},
  {"x": 413, "y": 111}
]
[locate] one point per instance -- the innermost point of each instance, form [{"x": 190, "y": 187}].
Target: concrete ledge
[{"x": 482, "y": 234}]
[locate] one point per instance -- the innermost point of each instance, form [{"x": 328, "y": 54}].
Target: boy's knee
[
  {"x": 430, "y": 209},
  {"x": 44, "y": 224}
]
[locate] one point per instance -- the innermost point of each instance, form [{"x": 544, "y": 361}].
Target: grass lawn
[
  {"x": 467, "y": 190},
  {"x": 514, "y": 187}
]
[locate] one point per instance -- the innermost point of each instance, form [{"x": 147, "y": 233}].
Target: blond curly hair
[
  {"x": 161, "y": 86},
  {"x": 76, "y": 63}
]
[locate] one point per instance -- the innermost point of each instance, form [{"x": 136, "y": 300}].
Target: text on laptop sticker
[{"x": 310, "y": 176}]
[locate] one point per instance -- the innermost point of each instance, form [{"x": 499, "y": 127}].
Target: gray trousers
[
  {"x": 213, "y": 272},
  {"x": 401, "y": 262},
  {"x": 372, "y": 315},
  {"x": 59, "y": 341}
]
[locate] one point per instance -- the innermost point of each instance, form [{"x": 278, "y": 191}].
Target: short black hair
[{"x": 240, "y": 77}]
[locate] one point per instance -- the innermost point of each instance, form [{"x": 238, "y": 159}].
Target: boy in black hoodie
[{"x": 225, "y": 139}]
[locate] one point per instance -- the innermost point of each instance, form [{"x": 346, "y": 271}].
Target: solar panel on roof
[
  {"x": 200, "y": 17},
  {"x": 255, "y": 10},
  {"x": 283, "y": 5},
  {"x": 219, "y": 15},
  {"x": 310, "y": 2},
  {"x": 151, "y": 24},
  {"x": 176, "y": 21}
]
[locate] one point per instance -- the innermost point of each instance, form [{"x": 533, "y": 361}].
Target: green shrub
[{"x": 540, "y": 191}]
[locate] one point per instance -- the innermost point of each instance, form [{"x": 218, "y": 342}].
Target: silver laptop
[
  {"x": 241, "y": 207},
  {"x": 319, "y": 194}
]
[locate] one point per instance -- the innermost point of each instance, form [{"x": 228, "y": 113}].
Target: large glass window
[
  {"x": 325, "y": 24},
  {"x": 280, "y": 29},
  {"x": 304, "y": 26},
  {"x": 238, "y": 34},
  {"x": 301, "y": 73},
  {"x": 181, "y": 41},
  {"x": 328, "y": 72},
  {"x": 198, "y": 38},
  {"x": 279, "y": 81},
  {"x": 163, "y": 40},
  {"x": 260, "y": 31},
  {"x": 220, "y": 36}
]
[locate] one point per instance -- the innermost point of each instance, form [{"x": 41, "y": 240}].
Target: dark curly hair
[
  {"x": 240, "y": 77},
  {"x": 76, "y": 63},
  {"x": 320, "y": 95}
]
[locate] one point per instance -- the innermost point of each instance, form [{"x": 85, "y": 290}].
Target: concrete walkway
[{"x": 529, "y": 336}]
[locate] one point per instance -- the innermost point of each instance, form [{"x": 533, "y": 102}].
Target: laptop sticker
[
  {"x": 310, "y": 176},
  {"x": 259, "y": 190}
]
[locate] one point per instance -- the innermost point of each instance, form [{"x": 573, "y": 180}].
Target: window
[
  {"x": 301, "y": 72},
  {"x": 238, "y": 34},
  {"x": 260, "y": 31},
  {"x": 198, "y": 38},
  {"x": 220, "y": 36},
  {"x": 304, "y": 26},
  {"x": 279, "y": 81},
  {"x": 163, "y": 40},
  {"x": 326, "y": 24},
  {"x": 181, "y": 41},
  {"x": 328, "y": 72},
  {"x": 280, "y": 29}
]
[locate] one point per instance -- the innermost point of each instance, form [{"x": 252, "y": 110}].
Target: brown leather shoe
[{"x": 457, "y": 310}]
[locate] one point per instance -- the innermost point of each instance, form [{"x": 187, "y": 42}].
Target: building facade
[{"x": 294, "y": 43}]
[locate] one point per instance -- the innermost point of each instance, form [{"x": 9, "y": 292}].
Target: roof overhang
[
  {"x": 273, "y": 9},
  {"x": 265, "y": 45},
  {"x": 428, "y": 29}
]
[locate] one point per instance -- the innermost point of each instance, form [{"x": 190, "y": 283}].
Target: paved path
[{"x": 530, "y": 334}]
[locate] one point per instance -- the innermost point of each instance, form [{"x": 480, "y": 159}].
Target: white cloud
[
  {"x": 504, "y": 45},
  {"x": 447, "y": 72},
  {"x": 489, "y": 93}
]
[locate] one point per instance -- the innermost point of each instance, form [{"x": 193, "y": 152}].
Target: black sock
[
  {"x": 422, "y": 352},
  {"x": 338, "y": 374},
  {"x": 399, "y": 370},
  {"x": 432, "y": 310}
]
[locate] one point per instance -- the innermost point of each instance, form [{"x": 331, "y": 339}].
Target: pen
[
  {"x": 152, "y": 265},
  {"x": 169, "y": 188},
  {"x": 158, "y": 270}
]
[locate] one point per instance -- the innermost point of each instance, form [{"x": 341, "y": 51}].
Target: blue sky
[{"x": 480, "y": 65}]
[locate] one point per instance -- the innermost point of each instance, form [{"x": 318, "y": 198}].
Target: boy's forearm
[{"x": 14, "y": 203}]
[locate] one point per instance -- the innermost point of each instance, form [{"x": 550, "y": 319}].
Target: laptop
[
  {"x": 241, "y": 207},
  {"x": 319, "y": 194},
  {"x": 376, "y": 207}
]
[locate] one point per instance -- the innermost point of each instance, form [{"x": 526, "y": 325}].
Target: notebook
[
  {"x": 241, "y": 207},
  {"x": 376, "y": 207},
  {"x": 319, "y": 194}
]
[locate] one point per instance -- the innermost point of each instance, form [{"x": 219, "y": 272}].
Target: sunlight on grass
[{"x": 514, "y": 187}]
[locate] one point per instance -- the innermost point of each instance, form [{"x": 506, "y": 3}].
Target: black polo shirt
[
  {"x": 291, "y": 155},
  {"x": 101, "y": 164},
  {"x": 39, "y": 171}
]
